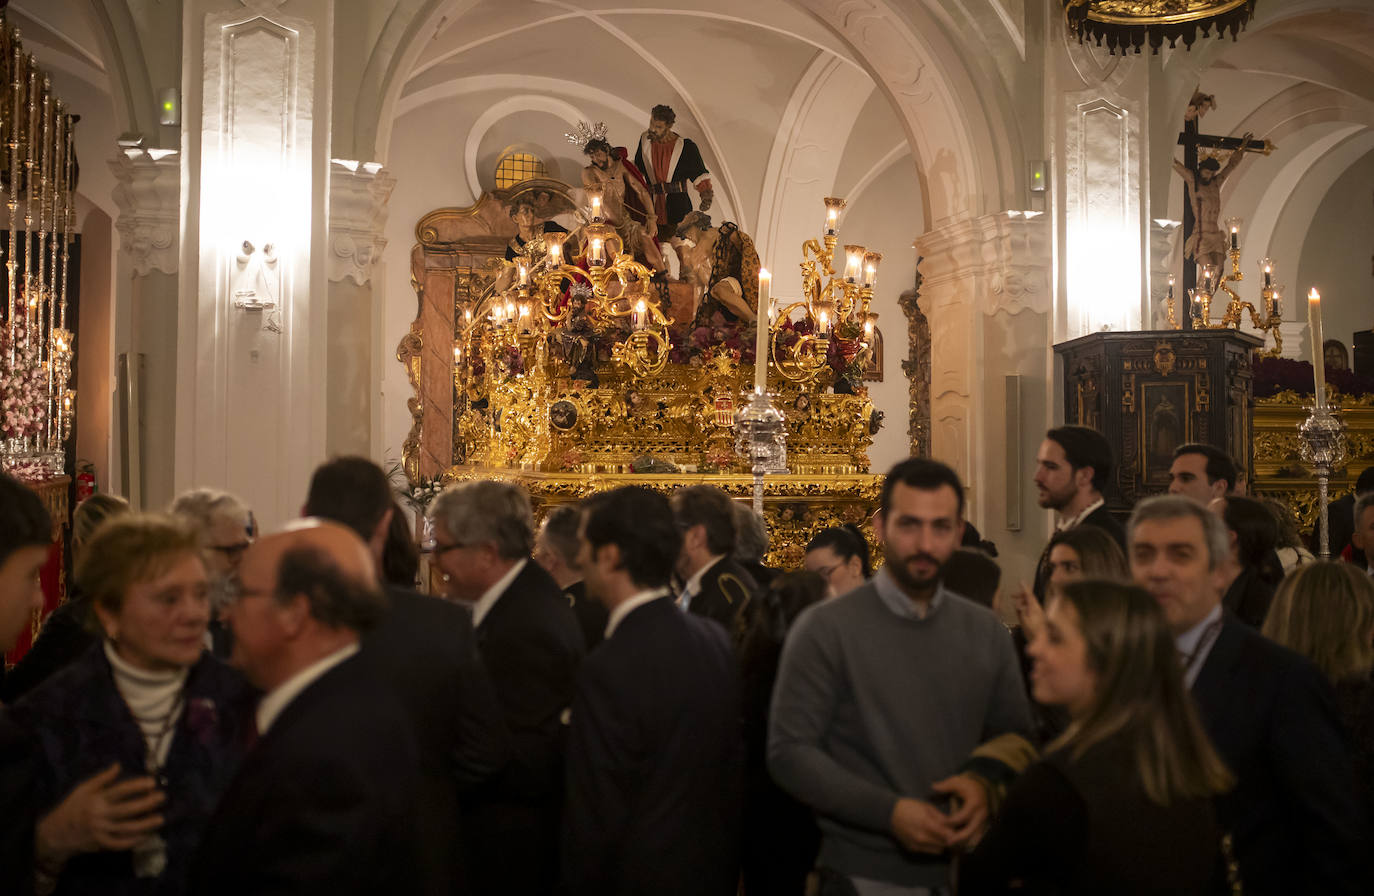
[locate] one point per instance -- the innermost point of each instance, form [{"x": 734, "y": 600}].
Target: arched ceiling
[{"x": 736, "y": 74}]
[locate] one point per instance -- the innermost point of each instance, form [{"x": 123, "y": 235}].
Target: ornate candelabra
[
  {"x": 38, "y": 165},
  {"x": 1323, "y": 446},
  {"x": 834, "y": 308},
  {"x": 1266, "y": 318}
]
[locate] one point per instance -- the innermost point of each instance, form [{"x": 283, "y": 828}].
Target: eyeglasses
[{"x": 232, "y": 551}]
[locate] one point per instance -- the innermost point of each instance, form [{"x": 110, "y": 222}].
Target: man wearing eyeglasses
[
  {"x": 531, "y": 645},
  {"x": 223, "y": 527}
]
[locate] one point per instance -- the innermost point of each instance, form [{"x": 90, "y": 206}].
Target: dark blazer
[
  {"x": 1085, "y": 826},
  {"x": 1249, "y": 598},
  {"x": 19, "y": 797},
  {"x": 591, "y": 615},
  {"x": 325, "y": 802},
  {"x": 63, "y": 638},
  {"x": 425, "y": 651},
  {"x": 726, "y": 590},
  {"x": 1355, "y": 703},
  {"x": 1294, "y": 816},
  {"x": 531, "y": 646},
  {"x": 82, "y": 725},
  {"x": 655, "y": 761}
]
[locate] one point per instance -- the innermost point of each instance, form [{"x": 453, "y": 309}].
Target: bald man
[{"x": 324, "y": 802}]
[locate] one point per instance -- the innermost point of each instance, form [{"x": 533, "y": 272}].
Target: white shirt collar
[
  {"x": 492, "y": 594},
  {"x": 693, "y": 586},
  {"x": 1189, "y": 644},
  {"x": 281, "y": 696},
  {"x": 630, "y": 605},
  {"x": 1075, "y": 520}
]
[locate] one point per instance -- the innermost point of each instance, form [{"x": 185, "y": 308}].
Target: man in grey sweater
[{"x": 884, "y": 693}]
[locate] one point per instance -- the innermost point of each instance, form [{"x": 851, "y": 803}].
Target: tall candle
[
  {"x": 1314, "y": 323},
  {"x": 596, "y": 208},
  {"x": 761, "y": 332}
]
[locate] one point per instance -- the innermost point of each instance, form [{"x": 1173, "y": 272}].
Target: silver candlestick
[
  {"x": 761, "y": 436},
  {"x": 1323, "y": 446}
]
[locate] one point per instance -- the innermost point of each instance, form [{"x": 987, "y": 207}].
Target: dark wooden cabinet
[{"x": 1150, "y": 391}]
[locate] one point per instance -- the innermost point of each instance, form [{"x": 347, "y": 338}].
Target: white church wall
[
  {"x": 883, "y": 217},
  {"x": 1338, "y": 252}
]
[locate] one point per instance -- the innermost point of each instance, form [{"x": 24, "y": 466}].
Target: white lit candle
[
  {"x": 523, "y": 271},
  {"x": 1268, "y": 276},
  {"x": 825, "y": 323},
  {"x": 832, "y": 220},
  {"x": 457, "y": 356},
  {"x": 637, "y": 319},
  {"x": 555, "y": 254},
  {"x": 1235, "y": 236},
  {"x": 510, "y": 312},
  {"x": 761, "y": 332},
  {"x": 853, "y": 263},
  {"x": 596, "y": 208},
  {"x": 1314, "y": 323},
  {"x": 595, "y": 254}
]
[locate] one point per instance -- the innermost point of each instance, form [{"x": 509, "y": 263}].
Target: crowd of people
[{"x": 625, "y": 699}]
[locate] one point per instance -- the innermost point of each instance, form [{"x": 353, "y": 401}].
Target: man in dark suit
[
  {"x": 25, "y": 536},
  {"x": 1293, "y": 814},
  {"x": 531, "y": 646},
  {"x": 1202, "y": 473},
  {"x": 655, "y": 757},
  {"x": 714, "y": 585},
  {"x": 424, "y": 649},
  {"x": 324, "y": 802},
  {"x": 1072, "y": 468},
  {"x": 555, "y": 548}
]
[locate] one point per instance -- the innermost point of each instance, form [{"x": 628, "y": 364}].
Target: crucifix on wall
[{"x": 1202, "y": 185}]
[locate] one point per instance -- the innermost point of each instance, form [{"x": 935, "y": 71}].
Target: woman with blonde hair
[
  {"x": 1122, "y": 801},
  {"x": 1325, "y": 611},
  {"x": 136, "y": 738}
]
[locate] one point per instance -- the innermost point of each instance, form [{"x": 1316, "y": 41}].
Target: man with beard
[
  {"x": 883, "y": 694},
  {"x": 612, "y": 176},
  {"x": 1071, "y": 470},
  {"x": 670, "y": 163}
]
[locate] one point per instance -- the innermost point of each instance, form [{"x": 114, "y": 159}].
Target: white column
[
  {"x": 252, "y": 384},
  {"x": 358, "y": 195},
  {"x": 1097, "y": 105},
  {"x": 148, "y": 193},
  {"x": 986, "y": 291}
]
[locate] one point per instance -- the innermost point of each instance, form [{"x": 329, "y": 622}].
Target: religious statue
[
  {"x": 619, "y": 180},
  {"x": 670, "y": 163},
  {"x": 1206, "y": 244},
  {"x": 532, "y": 205},
  {"x": 714, "y": 262},
  {"x": 575, "y": 340}
]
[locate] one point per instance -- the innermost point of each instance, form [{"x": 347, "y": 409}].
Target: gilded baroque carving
[
  {"x": 148, "y": 193},
  {"x": 917, "y": 368}
]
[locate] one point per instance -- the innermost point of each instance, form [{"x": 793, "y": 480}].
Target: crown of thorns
[
  {"x": 586, "y": 133},
  {"x": 581, "y": 290}
]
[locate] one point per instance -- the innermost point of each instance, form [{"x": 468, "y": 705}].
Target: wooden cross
[{"x": 1191, "y": 140}]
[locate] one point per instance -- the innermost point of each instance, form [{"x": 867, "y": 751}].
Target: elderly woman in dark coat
[{"x": 140, "y": 735}]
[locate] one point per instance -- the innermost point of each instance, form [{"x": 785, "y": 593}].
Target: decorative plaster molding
[
  {"x": 358, "y": 195},
  {"x": 148, "y": 194},
  {"x": 1004, "y": 259}
]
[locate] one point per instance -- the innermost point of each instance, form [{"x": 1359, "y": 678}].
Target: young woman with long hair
[{"x": 1122, "y": 801}]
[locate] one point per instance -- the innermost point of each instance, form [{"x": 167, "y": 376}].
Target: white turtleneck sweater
[{"x": 154, "y": 699}]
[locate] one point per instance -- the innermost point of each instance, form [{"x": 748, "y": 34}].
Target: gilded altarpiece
[
  {"x": 1149, "y": 392},
  {"x": 564, "y": 439}
]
